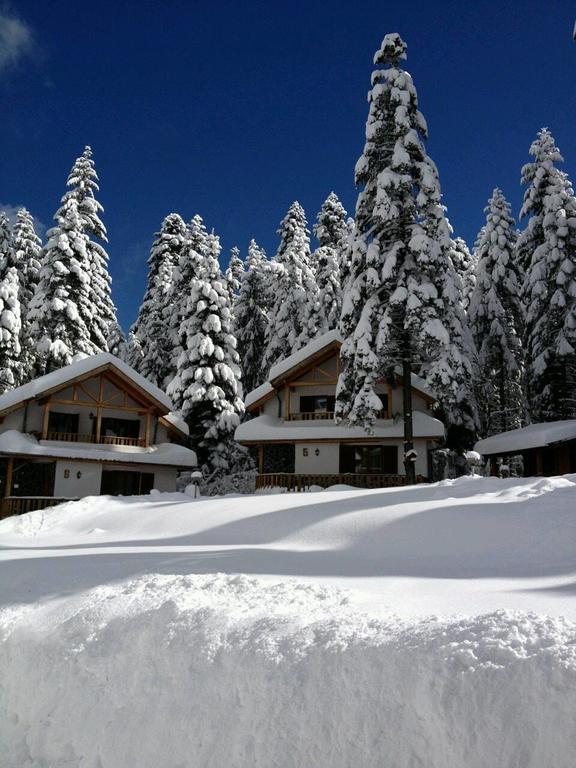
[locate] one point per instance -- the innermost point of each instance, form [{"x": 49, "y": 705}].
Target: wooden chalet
[
  {"x": 93, "y": 427},
  {"x": 298, "y": 443}
]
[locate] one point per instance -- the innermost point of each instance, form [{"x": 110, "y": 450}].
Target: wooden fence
[
  {"x": 19, "y": 505},
  {"x": 294, "y": 482}
]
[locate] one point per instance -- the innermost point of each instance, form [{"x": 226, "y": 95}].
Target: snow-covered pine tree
[
  {"x": 150, "y": 343},
  {"x": 28, "y": 259},
  {"x": 234, "y": 273},
  {"x": 206, "y": 388},
  {"x": 11, "y": 368},
  {"x": 61, "y": 308},
  {"x": 465, "y": 264},
  {"x": 397, "y": 308},
  {"x": 6, "y": 244},
  {"x": 27, "y": 254},
  {"x": 330, "y": 231},
  {"x": 186, "y": 269},
  {"x": 495, "y": 314},
  {"x": 293, "y": 315},
  {"x": 250, "y": 317},
  {"x": 83, "y": 184},
  {"x": 547, "y": 252}
]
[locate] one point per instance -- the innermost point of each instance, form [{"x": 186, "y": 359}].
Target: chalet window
[
  {"x": 384, "y": 412},
  {"x": 112, "y": 427},
  {"x": 33, "y": 478},
  {"x": 317, "y": 403},
  {"x": 126, "y": 483},
  {"x": 63, "y": 422},
  {"x": 369, "y": 459}
]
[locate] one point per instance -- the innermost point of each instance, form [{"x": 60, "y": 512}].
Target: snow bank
[
  {"x": 401, "y": 627},
  {"x": 226, "y": 671}
]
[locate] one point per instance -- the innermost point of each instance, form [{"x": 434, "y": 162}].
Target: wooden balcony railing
[
  {"x": 78, "y": 437},
  {"x": 294, "y": 482},
  {"x": 19, "y": 505},
  {"x": 311, "y": 416}
]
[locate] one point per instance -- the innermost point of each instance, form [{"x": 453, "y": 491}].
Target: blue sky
[{"x": 234, "y": 109}]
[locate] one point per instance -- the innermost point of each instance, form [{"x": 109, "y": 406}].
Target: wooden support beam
[
  {"x": 147, "y": 434},
  {"x": 9, "y": 476},
  {"x": 260, "y": 459},
  {"x": 45, "y": 419}
]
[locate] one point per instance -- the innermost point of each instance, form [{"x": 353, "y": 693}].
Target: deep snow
[{"x": 403, "y": 627}]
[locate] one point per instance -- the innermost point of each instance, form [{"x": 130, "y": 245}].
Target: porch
[{"x": 301, "y": 482}]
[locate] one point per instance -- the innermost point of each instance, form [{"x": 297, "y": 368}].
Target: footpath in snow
[{"x": 429, "y": 626}]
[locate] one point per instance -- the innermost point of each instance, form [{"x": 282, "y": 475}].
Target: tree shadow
[{"x": 455, "y": 541}]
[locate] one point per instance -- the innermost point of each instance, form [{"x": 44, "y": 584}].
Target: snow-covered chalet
[
  {"x": 93, "y": 427},
  {"x": 298, "y": 443}
]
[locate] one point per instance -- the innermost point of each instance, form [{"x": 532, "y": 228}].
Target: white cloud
[
  {"x": 16, "y": 40},
  {"x": 11, "y": 211}
]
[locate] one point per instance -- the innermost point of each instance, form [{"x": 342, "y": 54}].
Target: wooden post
[
  {"x": 147, "y": 436},
  {"x": 98, "y": 424},
  {"x": 9, "y": 476},
  {"x": 286, "y": 402},
  {"x": 409, "y": 465},
  {"x": 260, "y": 459},
  {"x": 539, "y": 463},
  {"x": 45, "y": 419}
]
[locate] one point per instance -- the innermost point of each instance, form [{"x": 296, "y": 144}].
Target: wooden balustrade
[
  {"x": 76, "y": 437},
  {"x": 19, "y": 505},
  {"x": 311, "y": 416},
  {"x": 294, "y": 482},
  {"x": 114, "y": 440}
]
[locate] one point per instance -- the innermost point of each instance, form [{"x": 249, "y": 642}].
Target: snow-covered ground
[{"x": 427, "y": 626}]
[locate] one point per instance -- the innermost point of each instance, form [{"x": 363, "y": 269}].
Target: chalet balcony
[
  {"x": 78, "y": 437},
  {"x": 297, "y": 482}
]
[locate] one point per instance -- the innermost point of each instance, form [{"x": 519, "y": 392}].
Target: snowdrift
[{"x": 122, "y": 642}]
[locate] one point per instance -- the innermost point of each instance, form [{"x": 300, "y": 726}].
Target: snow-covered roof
[
  {"x": 301, "y": 355},
  {"x": 309, "y": 350},
  {"x": 532, "y": 436},
  {"x": 269, "y": 428},
  {"x": 78, "y": 368},
  {"x": 175, "y": 418},
  {"x": 165, "y": 454},
  {"x": 258, "y": 393}
]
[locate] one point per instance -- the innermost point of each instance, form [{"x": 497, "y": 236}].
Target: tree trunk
[{"x": 409, "y": 465}]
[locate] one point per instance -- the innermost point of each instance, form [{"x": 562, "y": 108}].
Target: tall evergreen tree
[
  {"x": 150, "y": 332},
  {"x": 206, "y": 387},
  {"x": 27, "y": 254},
  {"x": 250, "y": 317},
  {"x": 292, "y": 320},
  {"x": 398, "y": 307},
  {"x": 83, "y": 186},
  {"x": 234, "y": 272},
  {"x": 61, "y": 309},
  {"x": 11, "y": 367},
  {"x": 465, "y": 264},
  {"x": 495, "y": 314},
  {"x": 547, "y": 251},
  {"x": 186, "y": 269},
  {"x": 6, "y": 244},
  {"x": 28, "y": 258},
  {"x": 330, "y": 230}
]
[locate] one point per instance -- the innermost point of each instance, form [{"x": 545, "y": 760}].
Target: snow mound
[{"x": 231, "y": 671}]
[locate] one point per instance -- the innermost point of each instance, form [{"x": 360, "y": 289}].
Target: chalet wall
[
  {"x": 165, "y": 479},
  {"x": 88, "y": 484},
  {"x": 326, "y": 462}
]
